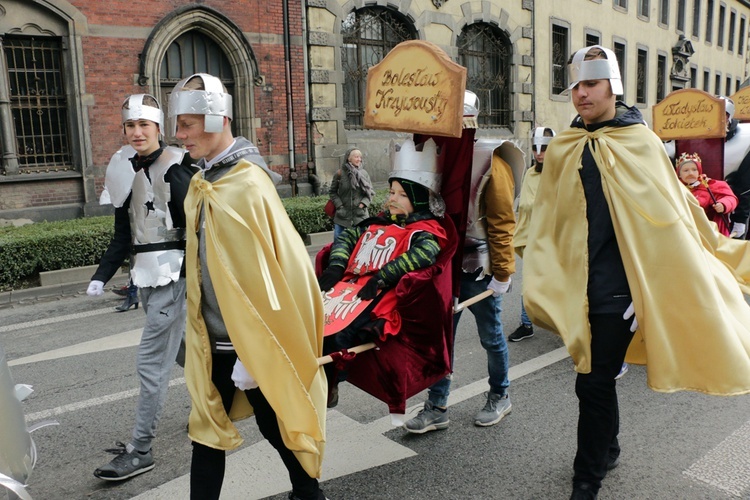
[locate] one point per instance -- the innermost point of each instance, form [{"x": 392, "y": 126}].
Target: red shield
[{"x": 342, "y": 306}]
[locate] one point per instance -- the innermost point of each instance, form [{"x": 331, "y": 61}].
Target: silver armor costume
[
  {"x": 150, "y": 219},
  {"x": 476, "y": 251}
]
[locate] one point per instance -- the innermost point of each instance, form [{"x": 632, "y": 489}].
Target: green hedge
[
  {"x": 26, "y": 251},
  {"x": 307, "y": 213},
  {"x": 46, "y": 246}
]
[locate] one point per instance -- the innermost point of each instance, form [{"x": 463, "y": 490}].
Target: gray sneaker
[
  {"x": 494, "y": 410},
  {"x": 126, "y": 464},
  {"x": 429, "y": 418}
]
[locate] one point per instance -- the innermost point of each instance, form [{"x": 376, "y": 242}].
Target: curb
[
  {"x": 68, "y": 282},
  {"x": 58, "y": 290}
]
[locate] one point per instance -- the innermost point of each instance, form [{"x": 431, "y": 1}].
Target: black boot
[{"x": 130, "y": 300}]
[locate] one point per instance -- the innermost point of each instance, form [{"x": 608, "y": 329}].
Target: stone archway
[{"x": 229, "y": 38}]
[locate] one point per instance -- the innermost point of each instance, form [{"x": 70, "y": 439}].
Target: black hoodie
[{"x": 608, "y": 289}]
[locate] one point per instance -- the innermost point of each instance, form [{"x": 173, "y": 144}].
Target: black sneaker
[
  {"x": 613, "y": 461},
  {"x": 522, "y": 332},
  {"x": 584, "y": 491},
  {"x": 333, "y": 396},
  {"x": 128, "y": 463},
  {"x": 321, "y": 496}
]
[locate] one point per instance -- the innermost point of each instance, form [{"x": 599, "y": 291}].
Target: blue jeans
[
  {"x": 490, "y": 328},
  {"x": 337, "y": 230},
  {"x": 525, "y": 321}
]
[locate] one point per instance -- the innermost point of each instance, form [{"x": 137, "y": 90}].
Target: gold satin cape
[
  {"x": 686, "y": 279},
  {"x": 529, "y": 187},
  {"x": 271, "y": 305}
]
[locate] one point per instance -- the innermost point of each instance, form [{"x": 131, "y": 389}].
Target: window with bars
[
  {"x": 732, "y": 25},
  {"x": 664, "y": 12},
  {"x": 485, "y": 52},
  {"x": 643, "y": 8},
  {"x": 368, "y": 35},
  {"x": 706, "y": 80},
  {"x": 38, "y": 102},
  {"x": 661, "y": 77},
  {"x": 593, "y": 39},
  {"x": 681, "y": 15},
  {"x": 560, "y": 55},
  {"x": 741, "y": 40},
  {"x": 190, "y": 53},
  {"x": 722, "y": 19},
  {"x": 641, "y": 94},
  {"x": 620, "y": 50},
  {"x": 709, "y": 20},
  {"x": 696, "y": 18}
]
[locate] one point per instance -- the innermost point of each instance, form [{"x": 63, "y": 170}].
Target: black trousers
[
  {"x": 360, "y": 331},
  {"x": 599, "y": 416},
  {"x": 208, "y": 464}
]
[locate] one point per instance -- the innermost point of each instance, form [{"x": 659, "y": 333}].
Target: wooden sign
[
  {"x": 741, "y": 100},
  {"x": 689, "y": 114},
  {"x": 416, "y": 88}
]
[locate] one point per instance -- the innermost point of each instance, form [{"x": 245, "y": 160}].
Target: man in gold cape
[
  {"x": 686, "y": 280},
  {"x": 610, "y": 208},
  {"x": 249, "y": 277}
]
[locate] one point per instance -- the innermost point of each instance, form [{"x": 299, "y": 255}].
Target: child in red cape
[{"x": 716, "y": 197}]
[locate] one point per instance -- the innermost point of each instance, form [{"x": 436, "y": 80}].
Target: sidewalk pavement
[{"x": 69, "y": 282}]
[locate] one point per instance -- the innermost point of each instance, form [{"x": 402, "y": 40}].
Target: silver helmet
[
  {"x": 538, "y": 139},
  {"x": 213, "y": 102},
  {"x": 595, "y": 69},
  {"x": 136, "y": 109}
]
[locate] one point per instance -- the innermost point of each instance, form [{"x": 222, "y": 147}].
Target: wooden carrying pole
[
  {"x": 324, "y": 360},
  {"x": 470, "y": 302}
]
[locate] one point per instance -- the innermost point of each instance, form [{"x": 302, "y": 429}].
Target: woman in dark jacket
[{"x": 351, "y": 192}]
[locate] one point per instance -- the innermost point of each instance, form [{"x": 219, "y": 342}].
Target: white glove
[
  {"x": 738, "y": 230},
  {"x": 498, "y": 287},
  {"x": 630, "y": 313},
  {"x": 95, "y": 288},
  {"x": 242, "y": 380}
]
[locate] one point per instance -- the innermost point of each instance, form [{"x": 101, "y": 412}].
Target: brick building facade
[{"x": 67, "y": 65}]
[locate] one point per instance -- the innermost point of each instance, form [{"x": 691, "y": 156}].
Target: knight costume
[{"x": 148, "y": 194}]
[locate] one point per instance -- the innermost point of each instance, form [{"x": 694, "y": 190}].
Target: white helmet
[
  {"x": 136, "y": 109},
  {"x": 212, "y": 102},
  {"x": 471, "y": 103},
  {"x": 595, "y": 69},
  {"x": 728, "y": 106},
  {"x": 538, "y": 139}
]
